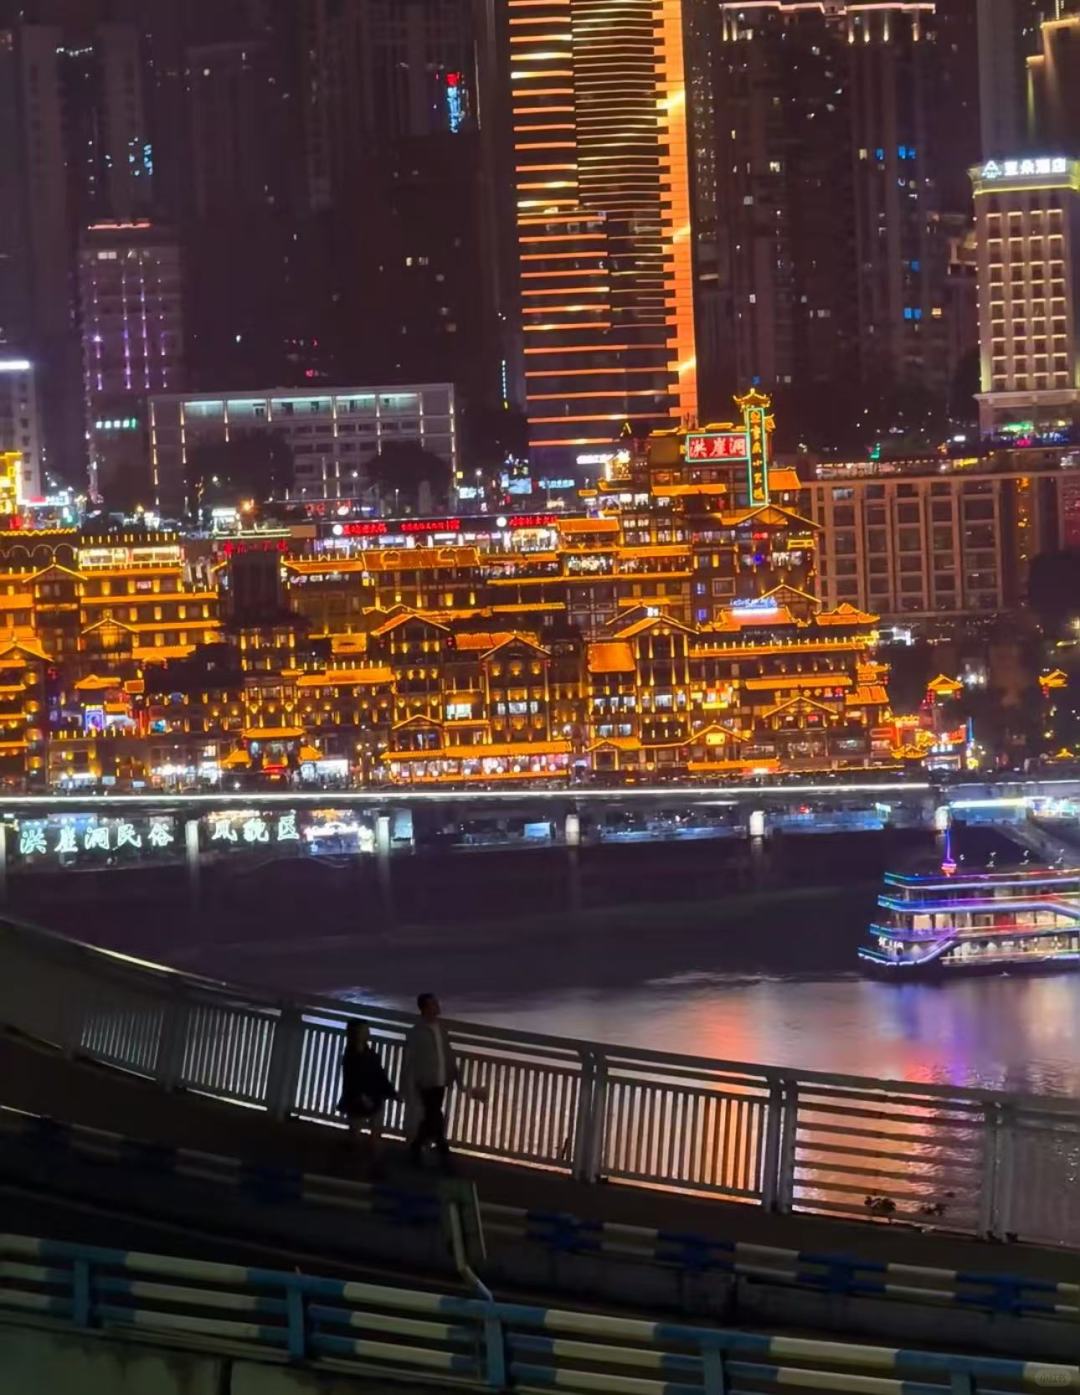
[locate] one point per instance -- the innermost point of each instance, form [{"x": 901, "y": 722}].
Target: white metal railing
[{"x": 969, "y": 1160}]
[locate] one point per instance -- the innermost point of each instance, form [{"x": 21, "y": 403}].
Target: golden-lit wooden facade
[{"x": 673, "y": 628}]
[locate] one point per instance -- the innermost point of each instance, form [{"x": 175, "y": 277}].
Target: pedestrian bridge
[{"x": 783, "y": 1142}]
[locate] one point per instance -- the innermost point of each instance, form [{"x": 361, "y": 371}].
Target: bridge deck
[{"x": 42, "y": 1082}]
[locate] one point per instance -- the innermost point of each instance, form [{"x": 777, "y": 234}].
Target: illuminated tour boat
[{"x": 957, "y": 920}]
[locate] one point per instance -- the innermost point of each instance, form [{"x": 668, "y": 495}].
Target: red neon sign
[
  {"x": 234, "y": 549},
  {"x": 431, "y": 525},
  {"x": 717, "y": 445},
  {"x": 533, "y": 520},
  {"x": 378, "y": 528}
]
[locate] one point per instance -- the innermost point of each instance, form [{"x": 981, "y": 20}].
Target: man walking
[{"x": 429, "y": 1071}]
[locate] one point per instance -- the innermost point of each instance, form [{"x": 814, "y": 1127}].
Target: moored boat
[{"x": 954, "y": 921}]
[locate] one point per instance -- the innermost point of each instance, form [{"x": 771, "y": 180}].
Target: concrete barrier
[
  {"x": 39, "y": 1361},
  {"x": 60, "y": 1363}
]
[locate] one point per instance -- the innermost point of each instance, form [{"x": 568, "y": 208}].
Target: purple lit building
[{"x": 132, "y": 331}]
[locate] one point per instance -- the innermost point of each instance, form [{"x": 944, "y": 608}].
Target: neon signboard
[
  {"x": 757, "y": 430},
  {"x": 378, "y": 528},
  {"x": 253, "y": 828},
  {"x": 89, "y": 836},
  {"x": 395, "y": 528},
  {"x": 455, "y": 101},
  {"x": 431, "y": 525},
  {"x": 717, "y": 445},
  {"x": 1024, "y": 169},
  {"x": 234, "y": 548}
]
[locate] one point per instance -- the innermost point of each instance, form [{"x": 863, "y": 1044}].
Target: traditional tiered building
[{"x": 673, "y": 628}]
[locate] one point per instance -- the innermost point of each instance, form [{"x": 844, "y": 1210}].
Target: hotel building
[
  {"x": 1027, "y": 213},
  {"x": 597, "y": 104},
  {"x": 924, "y": 545}
]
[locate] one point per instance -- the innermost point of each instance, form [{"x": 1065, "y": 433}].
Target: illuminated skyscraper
[
  {"x": 597, "y": 100},
  {"x": 132, "y": 343},
  {"x": 1027, "y": 214}
]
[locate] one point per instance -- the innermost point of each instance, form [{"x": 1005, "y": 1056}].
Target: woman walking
[{"x": 365, "y": 1088}]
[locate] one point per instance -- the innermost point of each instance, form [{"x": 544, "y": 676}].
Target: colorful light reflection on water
[{"x": 1018, "y": 1033}]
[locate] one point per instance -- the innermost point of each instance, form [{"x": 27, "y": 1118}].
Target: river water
[
  {"x": 767, "y": 975},
  {"x": 705, "y": 988},
  {"x": 705, "y": 955}
]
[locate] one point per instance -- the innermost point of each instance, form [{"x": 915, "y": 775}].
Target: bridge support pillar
[
  {"x": 193, "y": 857},
  {"x": 3, "y": 863},
  {"x": 572, "y": 839},
  {"x": 383, "y": 865}
]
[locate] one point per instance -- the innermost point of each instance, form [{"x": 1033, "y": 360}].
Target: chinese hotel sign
[
  {"x": 1033, "y": 172},
  {"x": 994, "y": 170}
]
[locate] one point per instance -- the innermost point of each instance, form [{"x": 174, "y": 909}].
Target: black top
[{"x": 365, "y": 1086}]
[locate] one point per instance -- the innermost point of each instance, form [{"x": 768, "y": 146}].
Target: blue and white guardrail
[
  {"x": 840, "y": 1275},
  {"x": 269, "y": 1314}
]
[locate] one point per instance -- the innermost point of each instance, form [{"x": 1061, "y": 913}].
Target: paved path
[{"x": 41, "y": 1081}]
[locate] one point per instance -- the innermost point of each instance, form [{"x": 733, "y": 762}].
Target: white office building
[{"x": 331, "y": 432}]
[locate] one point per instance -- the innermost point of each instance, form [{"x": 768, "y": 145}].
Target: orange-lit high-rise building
[{"x": 597, "y": 105}]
